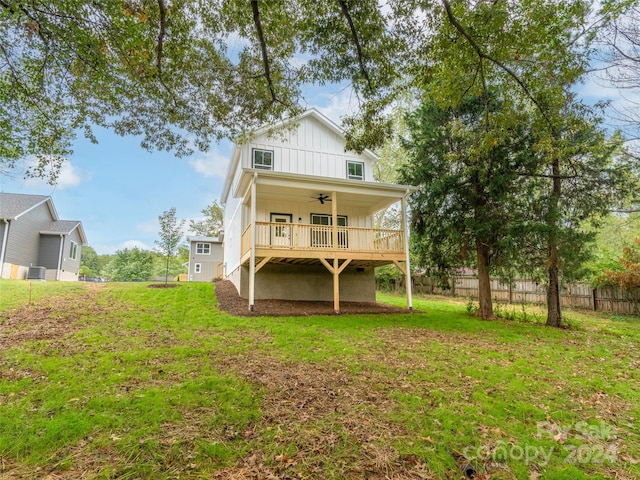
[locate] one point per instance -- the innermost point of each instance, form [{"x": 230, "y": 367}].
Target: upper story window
[
  {"x": 73, "y": 252},
  {"x": 203, "y": 248},
  {"x": 355, "y": 170},
  {"x": 262, "y": 159}
]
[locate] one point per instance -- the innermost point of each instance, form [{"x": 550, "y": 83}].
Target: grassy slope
[{"x": 157, "y": 383}]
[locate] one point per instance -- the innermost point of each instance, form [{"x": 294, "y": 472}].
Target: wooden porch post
[
  {"x": 334, "y": 235},
  {"x": 252, "y": 260},
  {"x": 407, "y": 275}
]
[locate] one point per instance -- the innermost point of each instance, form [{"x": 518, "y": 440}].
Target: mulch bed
[{"x": 230, "y": 302}]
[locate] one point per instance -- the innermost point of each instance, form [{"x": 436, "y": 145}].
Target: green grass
[
  {"x": 127, "y": 381},
  {"x": 15, "y": 293}
]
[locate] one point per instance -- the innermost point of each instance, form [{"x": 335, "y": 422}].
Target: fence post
[{"x": 595, "y": 296}]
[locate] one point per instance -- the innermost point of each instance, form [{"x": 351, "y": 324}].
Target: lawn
[{"x": 125, "y": 381}]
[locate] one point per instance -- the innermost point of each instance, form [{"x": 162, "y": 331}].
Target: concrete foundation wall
[{"x": 313, "y": 283}]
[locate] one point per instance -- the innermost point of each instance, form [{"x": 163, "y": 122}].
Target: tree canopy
[{"x": 211, "y": 224}]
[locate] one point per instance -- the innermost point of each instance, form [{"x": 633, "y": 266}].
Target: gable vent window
[
  {"x": 263, "y": 159},
  {"x": 355, "y": 170}
]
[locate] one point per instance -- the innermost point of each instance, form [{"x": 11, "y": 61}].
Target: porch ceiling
[{"x": 369, "y": 196}]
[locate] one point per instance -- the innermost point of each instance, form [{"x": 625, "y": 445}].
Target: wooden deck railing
[{"x": 296, "y": 236}]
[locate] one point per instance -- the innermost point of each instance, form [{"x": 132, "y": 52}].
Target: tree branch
[
  {"x": 263, "y": 48},
  {"x": 163, "y": 28},
  {"x": 481, "y": 54},
  {"x": 356, "y": 41}
]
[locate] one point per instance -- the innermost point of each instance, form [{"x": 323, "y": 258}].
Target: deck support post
[
  {"x": 252, "y": 260},
  {"x": 334, "y": 237},
  {"x": 407, "y": 273}
]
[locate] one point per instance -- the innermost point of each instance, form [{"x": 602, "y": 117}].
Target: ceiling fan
[{"x": 322, "y": 198}]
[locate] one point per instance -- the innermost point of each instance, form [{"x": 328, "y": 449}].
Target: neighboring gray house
[
  {"x": 205, "y": 259},
  {"x": 32, "y": 235}
]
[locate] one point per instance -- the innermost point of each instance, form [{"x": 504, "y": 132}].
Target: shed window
[
  {"x": 197, "y": 268},
  {"x": 263, "y": 159},
  {"x": 73, "y": 252},
  {"x": 203, "y": 248}
]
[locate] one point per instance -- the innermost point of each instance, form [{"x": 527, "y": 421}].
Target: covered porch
[{"x": 330, "y": 242}]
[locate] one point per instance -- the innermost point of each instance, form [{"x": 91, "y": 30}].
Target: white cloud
[
  {"x": 211, "y": 164},
  {"x": 69, "y": 176},
  {"x": 110, "y": 249},
  {"x": 152, "y": 226}
]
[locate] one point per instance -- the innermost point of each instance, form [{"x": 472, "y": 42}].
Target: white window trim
[
  {"x": 73, "y": 253},
  {"x": 197, "y": 268},
  {"x": 261, "y": 166},
  {"x": 200, "y": 248},
  {"x": 355, "y": 177}
]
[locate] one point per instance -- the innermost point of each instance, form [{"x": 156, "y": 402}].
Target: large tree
[
  {"x": 466, "y": 163},
  {"x": 532, "y": 53},
  {"x": 180, "y": 73},
  {"x": 129, "y": 265}
]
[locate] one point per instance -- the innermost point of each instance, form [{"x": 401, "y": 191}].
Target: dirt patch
[
  {"x": 230, "y": 302},
  {"x": 49, "y": 319},
  {"x": 315, "y": 412},
  {"x": 164, "y": 285}
]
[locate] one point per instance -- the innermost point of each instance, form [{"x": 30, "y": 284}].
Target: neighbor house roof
[
  {"x": 204, "y": 239},
  {"x": 14, "y": 205},
  {"x": 64, "y": 227}
]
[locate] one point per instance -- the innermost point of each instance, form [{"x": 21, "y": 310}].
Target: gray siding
[
  {"x": 208, "y": 263},
  {"x": 49, "y": 251},
  {"x": 2, "y": 228},
  {"x": 69, "y": 264},
  {"x": 24, "y": 237}
]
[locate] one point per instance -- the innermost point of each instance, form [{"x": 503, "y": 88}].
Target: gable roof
[
  {"x": 64, "y": 227},
  {"x": 311, "y": 113},
  {"x": 14, "y": 205}
]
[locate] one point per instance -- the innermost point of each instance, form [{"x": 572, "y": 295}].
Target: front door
[{"x": 281, "y": 233}]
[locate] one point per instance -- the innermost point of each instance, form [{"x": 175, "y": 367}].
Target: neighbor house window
[
  {"x": 263, "y": 159},
  {"x": 355, "y": 170},
  {"x": 203, "y": 248},
  {"x": 73, "y": 252},
  {"x": 197, "y": 268}
]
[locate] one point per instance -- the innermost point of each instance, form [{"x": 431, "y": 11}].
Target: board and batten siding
[
  {"x": 311, "y": 149},
  {"x": 208, "y": 263}
]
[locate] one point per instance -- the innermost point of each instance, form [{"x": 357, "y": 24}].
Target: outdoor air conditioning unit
[{"x": 36, "y": 273}]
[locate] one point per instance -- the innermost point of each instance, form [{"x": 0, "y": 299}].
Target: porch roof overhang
[{"x": 370, "y": 196}]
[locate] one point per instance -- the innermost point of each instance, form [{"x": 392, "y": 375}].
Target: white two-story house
[{"x": 299, "y": 217}]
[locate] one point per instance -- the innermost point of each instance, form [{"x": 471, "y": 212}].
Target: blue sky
[{"x": 117, "y": 189}]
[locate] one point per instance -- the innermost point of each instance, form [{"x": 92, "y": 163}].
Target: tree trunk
[
  {"x": 554, "y": 313},
  {"x": 166, "y": 273},
  {"x": 485, "y": 311}
]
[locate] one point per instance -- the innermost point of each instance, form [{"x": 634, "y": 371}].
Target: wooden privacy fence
[{"x": 574, "y": 295}]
